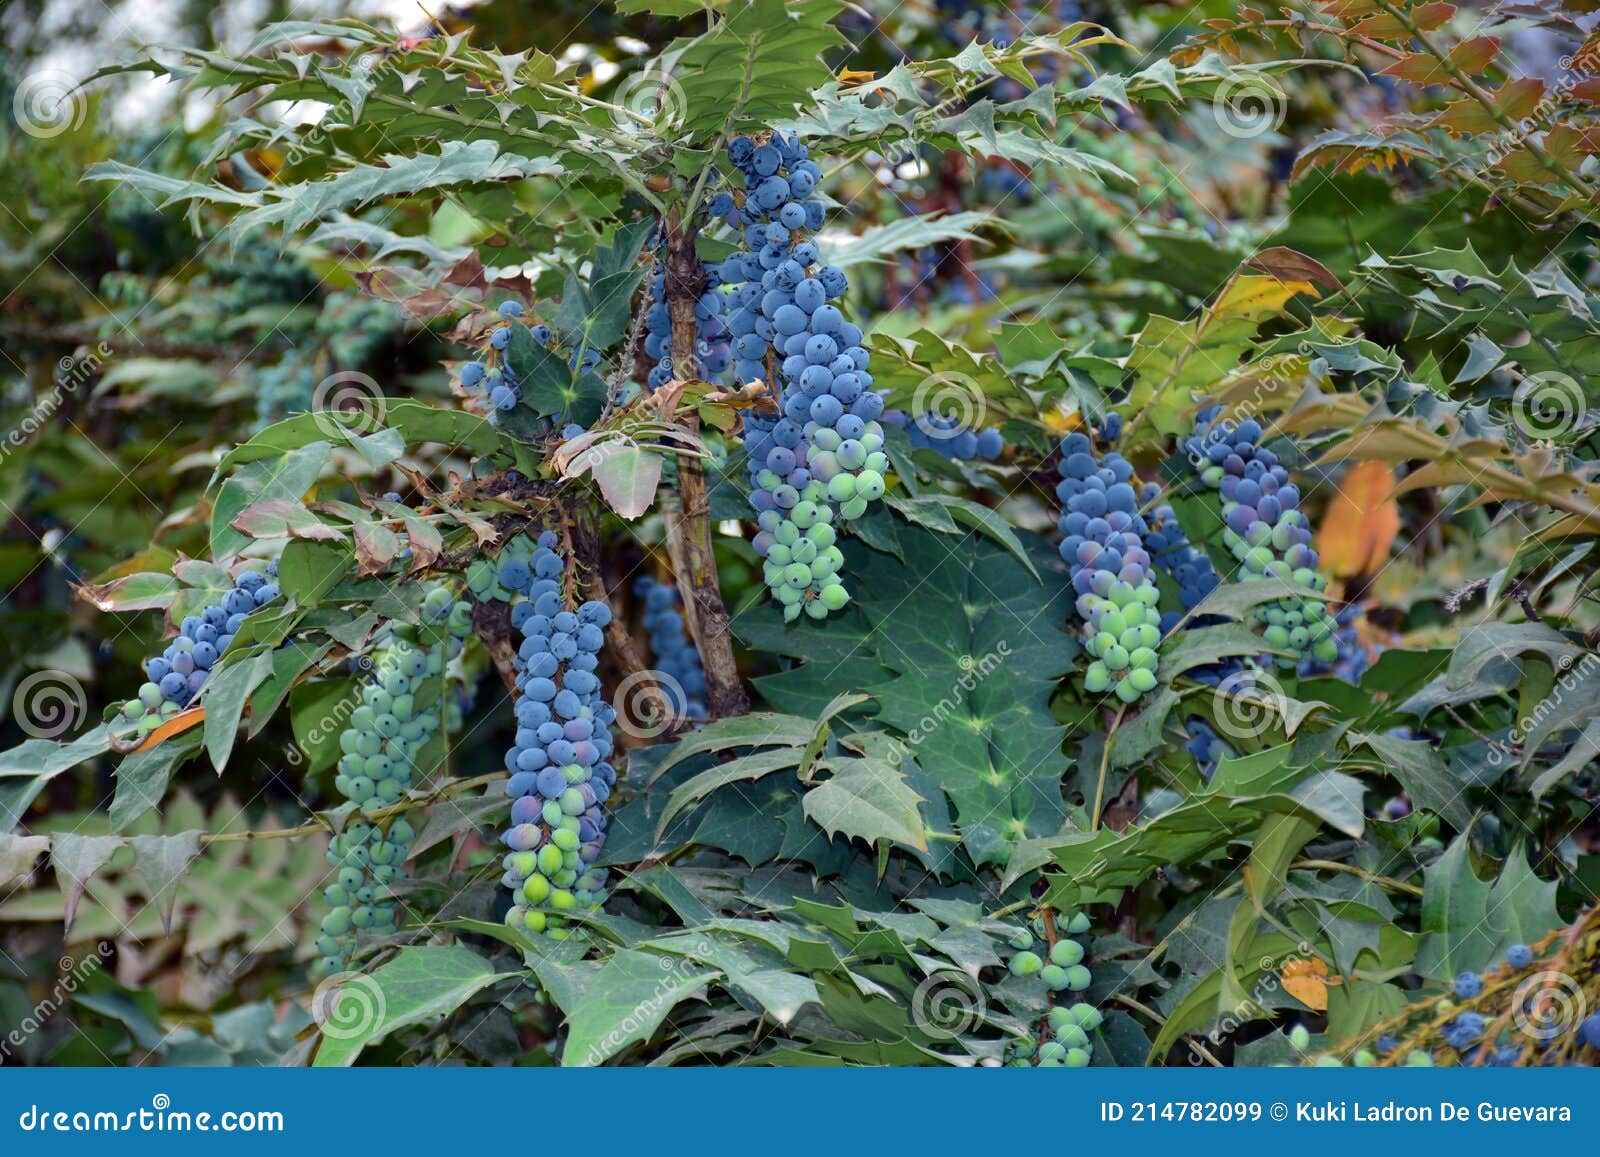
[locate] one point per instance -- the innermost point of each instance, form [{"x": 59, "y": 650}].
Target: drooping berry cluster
[
  {"x": 948, "y": 436},
  {"x": 179, "y": 672},
  {"x": 404, "y": 702},
  {"x": 1266, "y": 531},
  {"x": 494, "y": 375},
  {"x": 672, "y": 652},
  {"x": 560, "y": 779},
  {"x": 1064, "y": 1041},
  {"x": 713, "y": 354},
  {"x": 826, "y": 448},
  {"x": 1102, "y": 541}
]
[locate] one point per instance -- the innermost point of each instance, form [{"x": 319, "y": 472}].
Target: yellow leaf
[
  {"x": 1361, "y": 522},
  {"x": 1307, "y": 981},
  {"x": 1257, "y": 297}
]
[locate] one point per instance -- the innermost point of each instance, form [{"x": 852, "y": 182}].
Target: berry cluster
[
  {"x": 560, "y": 779},
  {"x": 1352, "y": 659},
  {"x": 947, "y": 436},
  {"x": 1169, "y": 547},
  {"x": 1479, "y": 1023},
  {"x": 178, "y": 673},
  {"x": 826, "y": 449},
  {"x": 1060, "y": 968},
  {"x": 494, "y": 374},
  {"x": 1102, "y": 541},
  {"x": 672, "y": 652},
  {"x": 713, "y": 354},
  {"x": 1266, "y": 531},
  {"x": 402, "y": 707}
]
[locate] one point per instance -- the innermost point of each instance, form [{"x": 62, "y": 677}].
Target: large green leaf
[
  {"x": 974, "y": 644},
  {"x": 420, "y": 984},
  {"x": 623, "y": 1002},
  {"x": 1468, "y": 923}
]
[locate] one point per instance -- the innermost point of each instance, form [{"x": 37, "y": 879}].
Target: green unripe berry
[
  {"x": 1026, "y": 964},
  {"x": 1066, "y": 953}
]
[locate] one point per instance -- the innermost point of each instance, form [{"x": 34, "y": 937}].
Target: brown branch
[{"x": 697, "y": 576}]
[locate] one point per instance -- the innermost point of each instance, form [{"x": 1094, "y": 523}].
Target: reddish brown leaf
[
  {"x": 1475, "y": 55},
  {"x": 1417, "y": 68},
  {"x": 1290, "y": 265},
  {"x": 1430, "y": 16}
]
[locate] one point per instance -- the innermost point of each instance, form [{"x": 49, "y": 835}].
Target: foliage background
[{"x": 1371, "y": 224}]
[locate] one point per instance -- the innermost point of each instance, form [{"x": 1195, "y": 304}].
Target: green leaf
[
  {"x": 307, "y": 571},
  {"x": 753, "y": 68},
  {"x": 625, "y": 1001},
  {"x": 1423, "y": 774},
  {"x": 26, "y": 768},
  {"x": 1467, "y": 923},
  {"x": 226, "y": 693},
  {"x": 76, "y": 858},
  {"x": 18, "y": 854},
  {"x": 627, "y": 475},
  {"x": 163, "y": 861},
  {"x": 420, "y": 984},
  {"x": 286, "y": 476},
  {"x": 867, "y": 798},
  {"x": 974, "y": 644},
  {"x": 975, "y": 515},
  {"x": 142, "y": 777}
]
